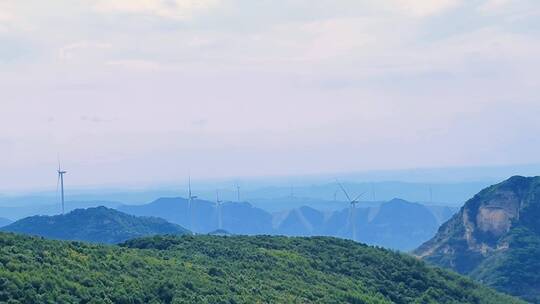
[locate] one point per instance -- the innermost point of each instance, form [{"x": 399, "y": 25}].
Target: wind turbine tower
[
  {"x": 61, "y": 182},
  {"x": 352, "y": 209},
  {"x": 218, "y": 207},
  {"x": 237, "y": 192},
  {"x": 191, "y": 197}
]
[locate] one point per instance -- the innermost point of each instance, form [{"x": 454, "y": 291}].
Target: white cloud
[
  {"x": 5, "y": 16},
  {"x": 136, "y": 64},
  {"x": 490, "y": 6},
  {"x": 175, "y": 9},
  {"x": 70, "y": 51},
  {"x": 9, "y": 20},
  {"x": 424, "y": 8}
]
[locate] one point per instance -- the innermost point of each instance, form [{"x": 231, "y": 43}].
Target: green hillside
[
  {"x": 96, "y": 225},
  {"x": 214, "y": 269},
  {"x": 517, "y": 270}
]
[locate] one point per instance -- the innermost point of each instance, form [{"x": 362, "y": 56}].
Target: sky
[{"x": 149, "y": 91}]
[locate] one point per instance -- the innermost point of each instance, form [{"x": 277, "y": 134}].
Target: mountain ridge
[
  {"x": 98, "y": 224},
  {"x": 397, "y": 224}
]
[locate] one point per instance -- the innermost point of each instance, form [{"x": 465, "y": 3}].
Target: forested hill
[
  {"x": 97, "y": 225},
  {"x": 212, "y": 269}
]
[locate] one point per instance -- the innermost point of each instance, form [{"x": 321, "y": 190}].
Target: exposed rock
[{"x": 497, "y": 227}]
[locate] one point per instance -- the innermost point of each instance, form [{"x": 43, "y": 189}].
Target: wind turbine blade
[
  {"x": 358, "y": 196},
  {"x": 344, "y": 191},
  {"x": 57, "y": 183}
]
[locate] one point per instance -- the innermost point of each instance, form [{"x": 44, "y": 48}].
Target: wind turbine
[
  {"x": 352, "y": 209},
  {"x": 61, "y": 182},
  {"x": 238, "y": 192},
  {"x": 218, "y": 207},
  {"x": 191, "y": 197}
]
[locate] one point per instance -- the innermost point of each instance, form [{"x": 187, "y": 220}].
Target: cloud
[
  {"x": 70, "y": 51},
  {"x": 137, "y": 64},
  {"x": 424, "y": 8},
  {"x": 7, "y": 18},
  {"x": 490, "y": 6},
  {"x": 174, "y": 9},
  {"x": 265, "y": 74},
  {"x": 199, "y": 123},
  {"x": 94, "y": 119}
]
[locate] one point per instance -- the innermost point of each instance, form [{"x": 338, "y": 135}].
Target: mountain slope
[
  {"x": 238, "y": 218},
  {"x": 209, "y": 269},
  {"x": 396, "y": 224},
  {"x": 98, "y": 225},
  {"x": 4, "y": 222},
  {"x": 495, "y": 238},
  {"x": 401, "y": 225}
]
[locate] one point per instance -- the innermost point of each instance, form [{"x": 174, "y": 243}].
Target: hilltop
[
  {"x": 495, "y": 238},
  {"x": 214, "y": 269},
  {"x": 97, "y": 225}
]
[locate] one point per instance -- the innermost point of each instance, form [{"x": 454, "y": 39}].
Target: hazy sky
[{"x": 143, "y": 91}]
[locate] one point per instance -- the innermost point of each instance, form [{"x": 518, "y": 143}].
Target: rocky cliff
[{"x": 498, "y": 227}]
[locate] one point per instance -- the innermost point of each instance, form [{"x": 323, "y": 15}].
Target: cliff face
[{"x": 488, "y": 233}]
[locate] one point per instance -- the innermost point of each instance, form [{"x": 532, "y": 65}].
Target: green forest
[
  {"x": 220, "y": 269},
  {"x": 515, "y": 271}
]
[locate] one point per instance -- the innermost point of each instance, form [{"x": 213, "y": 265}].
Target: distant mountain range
[
  {"x": 327, "y": 196},
  {"x": 495, "y": 238},
  {"x": 397, "y": 224},
  {"x": 274, "y": 196},
  {"x": 378, "y": 223},
  {"x": 238, "y": 218},
  {"x": 96, "y": 225},
  {"x": 4, "y": 222},
  {"x": 232, "y": 269}
]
